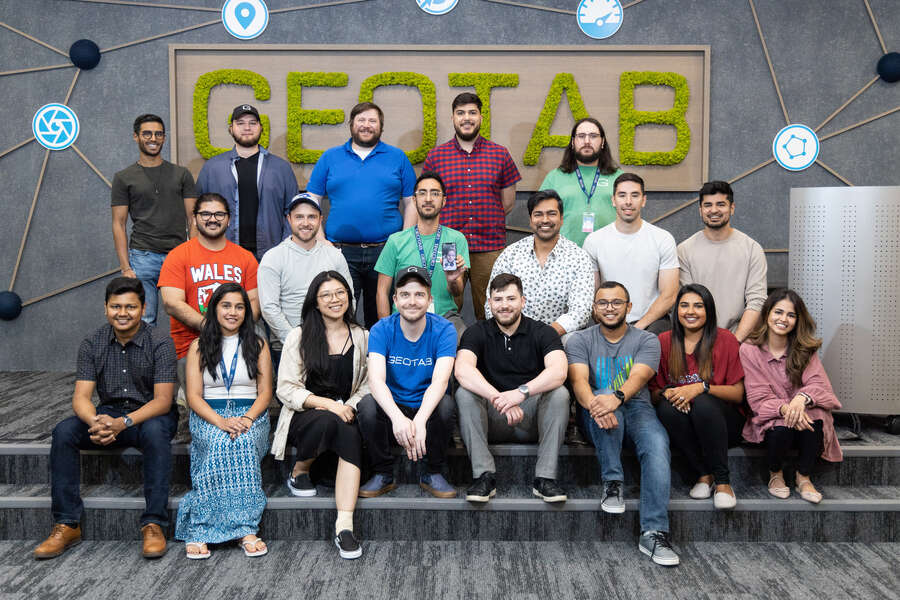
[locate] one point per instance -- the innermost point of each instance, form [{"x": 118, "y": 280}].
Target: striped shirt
[{"x": 473, "y": 182}]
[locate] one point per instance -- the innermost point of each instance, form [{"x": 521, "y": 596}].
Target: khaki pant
[{"x": 479, "y": 276}]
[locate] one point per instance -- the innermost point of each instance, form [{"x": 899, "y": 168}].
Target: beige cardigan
[{"x": 292, "y": 378}]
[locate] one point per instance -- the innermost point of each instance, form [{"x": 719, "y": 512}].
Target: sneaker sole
[
  {"x": 474, "y": 498},
  {"x": 551, "y": 499},
  {"x": 672, "y": 562},
  {"x": 299, "y": 492},
  {"x": 380, "y": 492},
  {"x": 436, "y": 493},
  {"x": 613, "y": 510},
  {"x": 348, "y": 555}
]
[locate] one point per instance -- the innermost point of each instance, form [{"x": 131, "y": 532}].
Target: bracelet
[{"x": 246, "y": 417}]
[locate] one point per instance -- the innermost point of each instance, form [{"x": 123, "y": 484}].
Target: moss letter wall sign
[
  {"x": 202, "y": 90},
  {"x": 483, "y": 84},
  {"x": 630, "y": 119},
  {"x": 429, "y": 105},
  {"x": 540, "y": 137},
  {"x": 297, "y": 116}
]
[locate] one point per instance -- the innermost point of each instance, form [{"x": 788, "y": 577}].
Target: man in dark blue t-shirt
[{"x": 411, "y": 357}]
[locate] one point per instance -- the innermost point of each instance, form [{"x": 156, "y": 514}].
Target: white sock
[{"x": 344, "y": 521}]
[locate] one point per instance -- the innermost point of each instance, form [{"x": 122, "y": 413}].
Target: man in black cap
[
  {"x": 411, "y": 357},
  {"x": 257, "y": 185}
]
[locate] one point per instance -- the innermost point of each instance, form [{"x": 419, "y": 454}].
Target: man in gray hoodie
[{"x": 286, "y": 270}]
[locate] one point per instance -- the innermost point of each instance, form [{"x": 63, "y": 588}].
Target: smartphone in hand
[{"x": 448, "y": 256}]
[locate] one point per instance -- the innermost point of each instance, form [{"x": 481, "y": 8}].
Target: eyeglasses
[
  {"x": 426, "y": 193},
  {"x": 339, "y": 294},
  {"x": 581, "y": 137},
  {"x": 153, "y": 134},
  {"x": 617, "y": 303},
  {"x": 218, "y": 215}
]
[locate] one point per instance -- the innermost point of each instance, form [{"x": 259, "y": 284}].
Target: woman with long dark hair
[
  {"x": 789, "y": 393},
  {"x": 229, "y": 386},
  {"x": 699, "y": 389},
  {"x": 321, "y": 378}
]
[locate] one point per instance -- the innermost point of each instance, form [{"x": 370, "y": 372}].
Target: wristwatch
[
  {"x": 523, "y": 389},
  {"x": 128, "y": 421},
  {"x": 705, "y": 387},
  {"x": 620, "y": 395}
]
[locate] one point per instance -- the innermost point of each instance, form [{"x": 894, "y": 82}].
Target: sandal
[
  {"x": 202, "y": 551},
  {"x": 250, "y": 545},
  {"x": 778, "y": 487},
  {"x": 808, "y": 491}
]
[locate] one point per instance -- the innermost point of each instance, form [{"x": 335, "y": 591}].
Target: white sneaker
[
  {"x": 723, "y": 501},
  {"x": 701, "y": 491}
]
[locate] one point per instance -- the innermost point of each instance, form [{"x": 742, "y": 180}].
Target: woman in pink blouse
[{"x": 789, "y": 393}]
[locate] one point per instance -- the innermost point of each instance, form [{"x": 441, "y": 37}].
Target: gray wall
[{"x": 823, "y": 52}]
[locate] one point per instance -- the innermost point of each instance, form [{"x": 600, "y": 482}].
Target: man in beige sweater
[{"x": 727, "y": 261}]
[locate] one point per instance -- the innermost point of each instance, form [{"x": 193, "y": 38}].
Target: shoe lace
[
  {"x": 660, "y": 540},
  {"x": 58, "y": 531},
  {"x": 612, "y": 489}
]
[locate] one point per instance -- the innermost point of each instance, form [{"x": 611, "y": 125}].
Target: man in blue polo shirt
[
  {"x": 411, "y": 357},
  {"x": 369, "y": 185}
]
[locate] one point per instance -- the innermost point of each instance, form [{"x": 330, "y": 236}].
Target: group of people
[{"x": 659, "y": 344}]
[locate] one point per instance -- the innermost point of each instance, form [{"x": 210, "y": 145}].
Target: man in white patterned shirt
[{"x": 557, "y": 275}]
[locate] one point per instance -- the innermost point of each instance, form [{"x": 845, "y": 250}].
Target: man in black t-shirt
[
  {"x": 511, "y": 371},
  {"x": 159, "y": 198}
]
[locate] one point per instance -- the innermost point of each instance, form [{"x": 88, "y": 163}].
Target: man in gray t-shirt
[
  {"x": 609, "y": 367},
  {"x": 159, "y": 197}
]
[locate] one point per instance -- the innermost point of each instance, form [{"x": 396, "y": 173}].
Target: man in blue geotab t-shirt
[{"x": 411, "y": 357}]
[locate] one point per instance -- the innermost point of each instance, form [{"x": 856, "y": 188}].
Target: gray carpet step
[
  {"x": 846, "y": 514},
  {"x": 876, "y": 464}
]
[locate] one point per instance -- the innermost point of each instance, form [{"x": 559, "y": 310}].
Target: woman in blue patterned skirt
[{"x": 229, "y": 386}]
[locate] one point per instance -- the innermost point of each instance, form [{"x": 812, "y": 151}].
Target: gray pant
[{"x": 546, "y": 416}]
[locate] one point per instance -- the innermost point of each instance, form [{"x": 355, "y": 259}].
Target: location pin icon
[{"x": 244, "y": 13}]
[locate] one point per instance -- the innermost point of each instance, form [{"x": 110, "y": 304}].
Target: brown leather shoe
[
  {"x": 154, "y": 540},
  {"x": 61, "y": 539}
]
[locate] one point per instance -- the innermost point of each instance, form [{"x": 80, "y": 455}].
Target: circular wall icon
[
  {"x": 245, "y": 19},
  {"x": 599, "y": 19},
  {"x": 437, "y": 7},
  {"x": 795, "y": 147},
  {"x": 55, "y": 126}
]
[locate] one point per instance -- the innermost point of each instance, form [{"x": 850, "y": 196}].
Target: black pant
[
  {"x": 704, "y": 434},
  {"x": 361, "y": 263},
  {"x": 808, "y": 443},
  {"x": 377, "y": 433}
]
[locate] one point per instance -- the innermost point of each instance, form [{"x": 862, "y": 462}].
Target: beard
[
  {"x": 718, "y": 225},
  {"x": 588, "y": 158},
  {"x": 365, "y": 143},
  {"x": 247, "y": 142},
  {"x": 468, "y": 137},
  {"x": 615, "y": 325}
]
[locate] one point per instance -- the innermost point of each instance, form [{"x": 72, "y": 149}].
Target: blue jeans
[
  {"x": 153, "y": 437},
  {"x": 639, "y": 423},
  {"x": 146, "y": 266},
  {"x": 361, "y": 262}
]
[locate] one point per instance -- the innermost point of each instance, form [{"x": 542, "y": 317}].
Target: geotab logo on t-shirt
[{"x": 409, "y": 362}]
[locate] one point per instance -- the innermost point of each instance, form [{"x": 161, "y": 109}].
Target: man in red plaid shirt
[{"x": 480, "y": 178}]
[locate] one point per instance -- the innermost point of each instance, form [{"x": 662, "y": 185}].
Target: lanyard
[
  {"x": 228, "y": 377},
  {"x": 434, "y": 250},
  {"x": 581, "y": 182}
]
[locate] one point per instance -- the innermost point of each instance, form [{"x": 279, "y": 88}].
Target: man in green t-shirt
[
  {"x": 423, "y": 245},
  {"x": 584, "y": 181}
]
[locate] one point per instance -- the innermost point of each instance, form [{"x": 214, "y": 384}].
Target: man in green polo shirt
[{"x": 423, "y": 246}]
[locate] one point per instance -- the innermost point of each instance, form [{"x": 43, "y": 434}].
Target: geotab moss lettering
[
  {"x": 202, "y": 90},
  {"x": 630, "y": 119}
]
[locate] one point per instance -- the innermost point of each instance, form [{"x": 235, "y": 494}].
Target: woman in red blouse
[
  {"x": 699, "y": 388},
  {"x": 789, "y": 393}
]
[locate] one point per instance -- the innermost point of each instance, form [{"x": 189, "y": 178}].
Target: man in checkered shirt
[{"x": 480, "y": 177}]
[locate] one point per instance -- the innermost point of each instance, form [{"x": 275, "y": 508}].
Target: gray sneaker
[
  {"x": 657, "y": 546},
  {"x": 613, "y": 501}
]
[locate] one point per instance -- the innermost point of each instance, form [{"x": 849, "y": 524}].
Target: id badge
[
  {"x": 587, "y": 222},
  {"x": 431, "y": 307}
]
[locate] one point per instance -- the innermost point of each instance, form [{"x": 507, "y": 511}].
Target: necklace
[{"x": 154, "y": 183}]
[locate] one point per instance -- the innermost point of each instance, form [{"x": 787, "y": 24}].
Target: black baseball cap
[
  {"x": 412, "y": 271},
  {"x": 302, "y": 198},
  {"x": 244, "y": 109}
]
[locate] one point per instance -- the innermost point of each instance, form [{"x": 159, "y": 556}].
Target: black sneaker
[
  {"x": 548, "y": 490},
  {"x": 301, "y": 485},
  {"x": 347, "y": 544},
  {"x": 483, "y": 489}
]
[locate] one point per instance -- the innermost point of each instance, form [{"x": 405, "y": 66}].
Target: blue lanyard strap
[
  {"x": 581, "y": 182},
  {"x": 434, "y": 250},
  {"x": 228, "y": 377}
]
